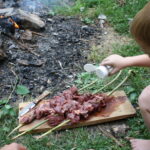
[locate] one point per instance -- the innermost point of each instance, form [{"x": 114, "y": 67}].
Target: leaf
[
  {"x": 133, "y": 96},
  {"x": 4, "y": 101},
  {"x": 8, "y": 107},
  {"x": 12, "y": 112},
  {"x": 130, "y": 89},
  {"x": 22, "y": 90},
  {"x": 6, "y": 129},
  {"x": 1, "y": 114}
]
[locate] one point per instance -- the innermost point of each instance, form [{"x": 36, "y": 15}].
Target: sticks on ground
[{"x": 110, "y": 136}]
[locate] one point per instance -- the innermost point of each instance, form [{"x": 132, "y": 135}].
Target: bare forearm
[{"x": 141, "y": 61}]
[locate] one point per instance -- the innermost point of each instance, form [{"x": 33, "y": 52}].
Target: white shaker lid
[
  {"x": 89, "y": 68},
  {"x": 102, "y": 72}
]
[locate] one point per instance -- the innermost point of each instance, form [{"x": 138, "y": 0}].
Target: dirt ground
[{"x": 62, "y": 53}]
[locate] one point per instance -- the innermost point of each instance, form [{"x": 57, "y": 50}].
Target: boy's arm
[
  {"x": 118, "y": 62},
  {"x": 141, "y": 60}
]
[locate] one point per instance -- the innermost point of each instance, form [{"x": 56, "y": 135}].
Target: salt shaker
[{"x": 100, "y": 71}]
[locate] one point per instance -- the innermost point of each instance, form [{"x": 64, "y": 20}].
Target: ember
[
  {"x": 68, "y": 105},
  {"x": 8, "y": 24}
]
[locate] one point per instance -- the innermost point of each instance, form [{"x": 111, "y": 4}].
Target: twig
[
  {"x": 43, "y": 95},
  {"x": 111, "y": 136},
  {"x": 17, "y": 78},
  {"x": 34, "y": 127},
  {"x": 112, "y": 81},
  {"x": 27, "y": 48},
  {"x": 55, "y": 128},
  {"x": 88, "y": 85},
  {"x": 123, "y": 81},
  {"x": 22, "y": 45},
  {"x": 40, "y": 34}
]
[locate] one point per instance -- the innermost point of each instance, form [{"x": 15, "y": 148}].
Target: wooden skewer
[
  {"x": 44, "y": 94},
  {"x": 39, "y": 124},
  {"x": 15, "y": 129},
  {"x": 118, "y": 75},
  {"x": 112, "y": 81},
  {"x": 65, "y": 122},
  {"x": 88, "y": 85},
  {"x": 39, "y": 34},
  {"x": 57, "y": 127},
  {"x": 123, "y": 81}
]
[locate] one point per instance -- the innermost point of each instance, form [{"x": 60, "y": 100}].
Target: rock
[
  {"x": 102, "y": 17},
  {"x": 84, "y": 27},
  {"x": 119, "y": 129},
  {"x": 50, "y": 20},
  {"x": 36, "y": 63},
  {"x": 27, "y": 35},
  {"x": 55, "y": 34},
  {"x": 41, "y": 88},
  {"x": 49, "y": 81},
  {"x": 82, "y": 9},
  {"x": 2, "y": 55}
]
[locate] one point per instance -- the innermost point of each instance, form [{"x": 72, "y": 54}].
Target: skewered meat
[{"x": 67, "y": 105}]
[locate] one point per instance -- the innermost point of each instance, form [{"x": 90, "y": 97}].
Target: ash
[{"x": 63, "y": 51}]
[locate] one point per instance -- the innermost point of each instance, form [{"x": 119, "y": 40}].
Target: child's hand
[
  {"x": 13, "y": 146},
  {"x": 116, "y": 61}
]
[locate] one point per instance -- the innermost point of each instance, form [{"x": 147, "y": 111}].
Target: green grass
[{"x": 118, "y": 15}]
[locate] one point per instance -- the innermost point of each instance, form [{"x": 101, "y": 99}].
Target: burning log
[
  {"x": 30, "y": 20},
  {"x": 27, "y": 20},
  {"x": 8, "y": 24}
]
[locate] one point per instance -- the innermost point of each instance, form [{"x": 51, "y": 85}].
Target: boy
[
  {"x": 13, "y": 146},
  {"x": 140, "y": 29}
]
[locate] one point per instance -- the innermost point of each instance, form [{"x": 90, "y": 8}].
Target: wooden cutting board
[{"x": 119, "y": 109}]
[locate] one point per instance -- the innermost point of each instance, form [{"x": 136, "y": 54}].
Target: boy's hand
[
  {"x": 13, "y": 146},
  {"x": 116, "y": 61}
]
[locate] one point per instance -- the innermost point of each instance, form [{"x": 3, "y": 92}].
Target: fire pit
[{"x": 58, "y": 53}]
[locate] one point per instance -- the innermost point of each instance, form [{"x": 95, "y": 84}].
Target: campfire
[
  {"x": 8, "y": 24},
  {"x": 42, "y": 51}
]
